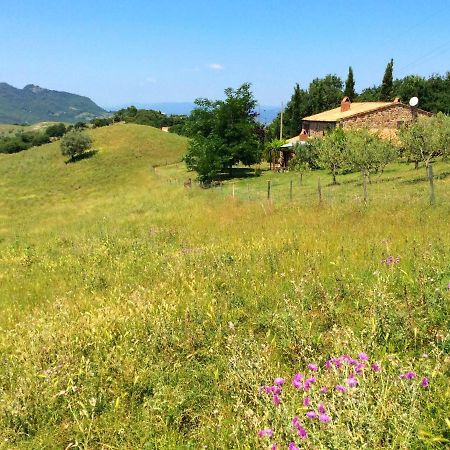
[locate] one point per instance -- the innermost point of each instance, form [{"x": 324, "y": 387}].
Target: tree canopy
[{"x": 223, "y": 133}]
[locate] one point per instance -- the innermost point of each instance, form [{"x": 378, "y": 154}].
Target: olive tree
[
  {"x": 333, "y": 151},
  {"x": 367, "y": 152},
  {"x": 75, "y": 143},
  {"x": 426, "y": 138}
]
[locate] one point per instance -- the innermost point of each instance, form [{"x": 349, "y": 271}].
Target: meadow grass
[{"x": 140, "y": 314}]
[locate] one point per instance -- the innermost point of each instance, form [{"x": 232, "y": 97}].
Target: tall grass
[{"x": 139, "y": 314}]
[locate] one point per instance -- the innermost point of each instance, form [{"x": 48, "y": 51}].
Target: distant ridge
[
  {"x": 266, "y": 113},
  {"x": 36, "y": 104}
]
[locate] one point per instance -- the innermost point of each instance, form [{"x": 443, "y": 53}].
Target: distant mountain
[
  {"x": 266, "y": 113},
  {"x": 35, "y": 104}
]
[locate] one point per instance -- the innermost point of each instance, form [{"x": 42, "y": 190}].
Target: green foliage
[
  {"x": 306, "y": 155},
  {"x": 157, "y": 119},
  {"x": 427, "y": 138},
  {"x": 22, "y": 140},
  {"x": 386, "y": 90},
  {"x": 223, "y": 133},
  {"x": 75, "y": 143},
  {"x": 56, "y": 130},
  {"x": 367, "y": 152},
  {"x": 101, "y": 122},
  {"x": 322, "y": 94},
  {"x": 34, "y": 104},
  {"x": 325, "y": 93},
  {"x": 296, "y": 109},
  {"x": 271, "y": 150},
  {"x": 349, "y": 90},
  {"x": 333, "y": 151}
]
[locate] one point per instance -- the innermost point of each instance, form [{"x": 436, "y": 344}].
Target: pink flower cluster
[{"x": 305, "y": 382}]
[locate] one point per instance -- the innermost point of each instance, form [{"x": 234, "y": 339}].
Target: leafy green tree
[
  {"x": 272, "y": 150},
  {"x": 306, "y": 155},
  {"x": 386, "y": 90},
  {"x": 426, "y": 139},
  {"x": 333, "y": 151},
  {"x": 325, "y": 93},
  {"x": 223, "y": 133},
  {"x": 367, "y": 152},
  {"x": 75, "y": 143},
  {"x": 349, "y": 90},
  {"x": 56, "y": 130}
]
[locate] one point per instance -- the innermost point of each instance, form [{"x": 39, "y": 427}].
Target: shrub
[{"x": 75, "y": 143}]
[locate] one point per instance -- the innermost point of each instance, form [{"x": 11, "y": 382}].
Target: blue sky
[{"x": 153, "y": 51}]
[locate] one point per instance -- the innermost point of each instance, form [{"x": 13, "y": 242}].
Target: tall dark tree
[
  {"x": 296, "y": 109},
  {"x": 349, "y": 90},
  {"x": 386, "y": 91}
]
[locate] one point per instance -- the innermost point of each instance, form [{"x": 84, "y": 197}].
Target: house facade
[{"x": 377, "y": 116}]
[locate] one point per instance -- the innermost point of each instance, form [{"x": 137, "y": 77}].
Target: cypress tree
[
  {"x": 387, "y": 84},
  {"x": 349, "y": 90}
]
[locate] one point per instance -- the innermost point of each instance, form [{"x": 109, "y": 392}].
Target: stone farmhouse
[{"x": 385, "y": 117}]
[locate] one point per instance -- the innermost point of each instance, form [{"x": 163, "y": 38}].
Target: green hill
[
  {"x": 35, "y": 104},
  {"x": 137, "y": 314}
]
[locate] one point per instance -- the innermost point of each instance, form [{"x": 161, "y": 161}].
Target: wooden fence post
[
  {"x": 319, "y": 190},
  {"x": 364, "y": 183},
  {"x": 290, "y": 190},
  {"x": 301, "y": 178},
  {"x": 430, "y": 179},
  {"x": 268, "y": 190}
]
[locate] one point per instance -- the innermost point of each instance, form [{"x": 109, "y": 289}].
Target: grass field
[
  {"x": 6, "y": 129},
  {"x": 140, "y": 314}
]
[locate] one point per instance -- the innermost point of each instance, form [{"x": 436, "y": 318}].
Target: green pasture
[{"x": 137, "y": 313}]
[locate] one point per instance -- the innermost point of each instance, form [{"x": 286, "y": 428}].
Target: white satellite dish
[{"x": 414, "y": 101}]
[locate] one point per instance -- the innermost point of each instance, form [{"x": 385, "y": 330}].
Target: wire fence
[{"x": 312, "y": 189}]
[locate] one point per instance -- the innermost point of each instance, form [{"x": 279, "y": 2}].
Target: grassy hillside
[{"x": 139, "y": 314}]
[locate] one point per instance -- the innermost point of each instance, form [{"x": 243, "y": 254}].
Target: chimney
[
  {"x": 345, "y": 104},
  {"x": 303, "y": 136}
]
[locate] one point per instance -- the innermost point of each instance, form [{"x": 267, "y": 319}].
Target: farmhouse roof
[{"x": 336, "y": 114}]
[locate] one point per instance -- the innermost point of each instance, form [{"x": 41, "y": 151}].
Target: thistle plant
[{"x": 347, "y": 401}]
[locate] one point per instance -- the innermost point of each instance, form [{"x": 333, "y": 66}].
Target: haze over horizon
[{"x": 147, "y": 52}]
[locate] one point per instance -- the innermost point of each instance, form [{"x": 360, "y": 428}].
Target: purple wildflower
[
  {"x": 279, "y": 381},
  {"x": 328, "y": 364},
  {"x": 323, "y": 390},
  {"x": 324, "y": 418},
  {"x": 352, "y": 381},
  {"x": 321, "y": 408},
  {"x": 306, "y": 401},
  {"x": 292, "y": 446},
  {"x": 408, "y": 375},
  {"x": 276, "y": 400},
  {"x": 424, "y": 383},
  {"x": 311, "y": 415},
  {"x": 313, "y": 367},
  {"x": 341, "y": 388},
  {"x": 295, "y": 422},
  {"x": 302, "y": 432},
  {"x": 274, "y": 447},
  {"x": 376, "y": 367},
  {"x": 266, "y": 432},
  {"x": 297, "y": 380},
  {"x": 359, "y": 367},
  {"x": 363, "y": 356}
]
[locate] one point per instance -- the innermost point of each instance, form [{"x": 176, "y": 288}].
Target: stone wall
[
  {"x": 317, "y": 129},
  {"x": 392, "y": 117}
]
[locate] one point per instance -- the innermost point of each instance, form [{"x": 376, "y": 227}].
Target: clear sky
[{"x": 122, "y": 52}]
